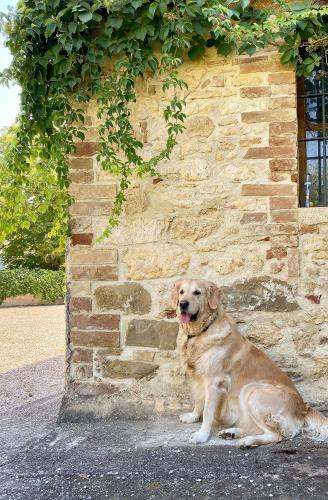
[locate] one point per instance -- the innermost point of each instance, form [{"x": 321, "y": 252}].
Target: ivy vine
[{"x": 60, "y": 49}]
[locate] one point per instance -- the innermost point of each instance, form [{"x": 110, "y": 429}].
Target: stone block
[
  {"x": 268, "y": 190},
  {"x": 200, "y": 125},
  {"x": 95, "y": 321},
  {"x": 271, "y": 152},
  {"x": 80, "y": 304},
  {"x": 130, "y": 298},
  {"x": 81, "y": 239},
  {"x": 96, "y": 273},
  {"x": 155, "y": 260},
  {"x": 150, "y": 333},
  {"x": 86, "y": 149},
  {"x": 128, "y": 369},
  {"x": 95, "y": 338},
  {"x": 92, "y": 256},
  {"x": 260, "y": 294},
  {"x": 82, "y": 356}
]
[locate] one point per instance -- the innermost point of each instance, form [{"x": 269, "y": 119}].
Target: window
[{"x": 312, "y": 110}]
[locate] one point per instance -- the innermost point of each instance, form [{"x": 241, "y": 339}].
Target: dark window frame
[{"x": 321, "y": 128}]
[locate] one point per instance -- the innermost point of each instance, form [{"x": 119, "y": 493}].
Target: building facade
[{"x": 226, "y": 207}]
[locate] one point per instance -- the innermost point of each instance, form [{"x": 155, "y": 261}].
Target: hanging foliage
[{"x": 60, "y": 48}]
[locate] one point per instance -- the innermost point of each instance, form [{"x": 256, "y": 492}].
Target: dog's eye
[
  {"x": 181, "y": 292},
  {"x": 197, "y": 292}
]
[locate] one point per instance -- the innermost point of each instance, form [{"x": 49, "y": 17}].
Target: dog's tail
[{"x": 315, "y": 425}]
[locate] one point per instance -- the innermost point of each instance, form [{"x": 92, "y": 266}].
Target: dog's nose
[{"x": 184, "y": 305}]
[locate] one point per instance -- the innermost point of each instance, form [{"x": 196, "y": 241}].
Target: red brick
[
  {"x": 250, "y": 217},
  {"x": 270, "y": 152},
  {"x": 95, "y": 321},
  {"x": 283, "y": 140},
  {"x": 284, "y": 216},
  {"x": 282, "y": 102},
  {"x": 95, "y": 339},
  {"x": 283, "y": 202},
  {"x": 282, "y": 78},
  {"x": 92, "y": 256},
  {"x": 294, "y": 178},
  {"x": 254, "y": 92},
  {"x": 80, "y": 304},
  {"x": 82, "y": 356},
  {"x": 280, "y": 128},
  {"x": 86, "y": 149},
  {"x": 81, "y": 176},
  {"x": 91, "y": 208},
  {"x": 273, "y": 115},
  {"x": 81, "y": 239},
  {"x": 93, "y": 191},
  {"x": 81, "y": 163},
  {"x": 276, "y": 253},
  {"x": 98, "y": 273},
  {"x": 314, "y": 298},
  {"x": 283, "y": 165},
  {"x": 268, "y": 190}
]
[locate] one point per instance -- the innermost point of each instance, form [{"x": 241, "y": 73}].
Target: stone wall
[{"x": 225, "y": 207}]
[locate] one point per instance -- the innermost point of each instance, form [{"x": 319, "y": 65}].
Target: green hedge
[{"x": 41, "y": 283}]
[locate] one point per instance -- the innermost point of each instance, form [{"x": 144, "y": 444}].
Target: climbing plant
[{"x": 67, "y": 52}]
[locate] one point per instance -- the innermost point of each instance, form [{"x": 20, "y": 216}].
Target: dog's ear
[
  {"x": 175, "y": 294},
  {"x": 214, "y": 296}
]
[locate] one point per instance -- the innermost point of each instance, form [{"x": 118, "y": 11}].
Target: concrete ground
[{"x": 40, "y": 459}]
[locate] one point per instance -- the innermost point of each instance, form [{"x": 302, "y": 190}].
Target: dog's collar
[{"x": 192, "y": 336}]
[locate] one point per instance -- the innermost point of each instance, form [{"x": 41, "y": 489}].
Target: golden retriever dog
[{"x": 237, "y": 388}]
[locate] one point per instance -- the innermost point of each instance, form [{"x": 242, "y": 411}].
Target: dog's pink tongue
[{"x": 184, "y": 317}]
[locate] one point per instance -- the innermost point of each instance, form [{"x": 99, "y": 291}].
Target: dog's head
[{"x": 195, "y": 300}]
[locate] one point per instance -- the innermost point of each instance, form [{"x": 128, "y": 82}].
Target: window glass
[{"x": 312, "y": 110}]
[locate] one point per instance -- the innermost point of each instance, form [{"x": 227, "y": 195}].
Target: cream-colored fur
[{"x": 237, "y": 388}]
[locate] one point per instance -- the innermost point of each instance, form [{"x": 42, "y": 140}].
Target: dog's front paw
[
  {"x": 199, "y": 437},
  {"x": 189, "y": 418}
]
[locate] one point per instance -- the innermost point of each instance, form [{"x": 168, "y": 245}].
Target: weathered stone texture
[
  {"x": 126, "y": 369},
  {"x": 148, "y": 333},
  {"x": 155, "y": 261},
  {"x": 224, "y": 207},
  {"x": 130, "y": 298},
  {"x": 260, "y": 294}
]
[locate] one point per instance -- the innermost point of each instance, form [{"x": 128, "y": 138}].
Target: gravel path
[
  {"x": 32, "y": 341},
  {"x": 29, "y": 335}
]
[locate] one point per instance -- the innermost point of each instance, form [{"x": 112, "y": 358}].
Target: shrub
[{"x": 41, "y": 283}]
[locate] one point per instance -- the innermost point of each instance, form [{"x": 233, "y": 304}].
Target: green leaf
[
  {"x": 152, "y": 9},
  {"x": 50, "y": 28},
  {"x": 96, "y": 17},
  {"x": 224, "y": 48},
  {"x": 244, "y": 3},
  {"x": 196, "y": 51},
  {"x": 85, "y": 17}
]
